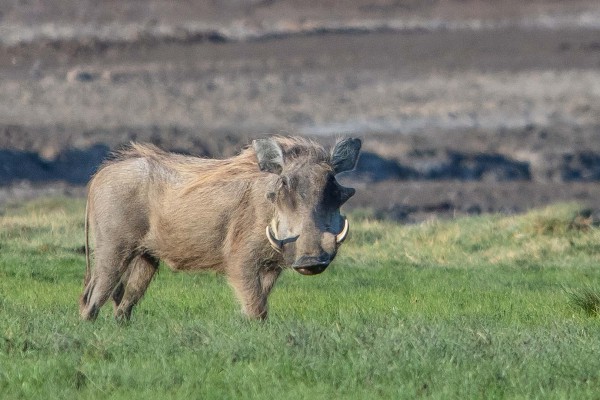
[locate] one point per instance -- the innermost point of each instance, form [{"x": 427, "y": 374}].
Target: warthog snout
[{"x": 312, "y": 265}]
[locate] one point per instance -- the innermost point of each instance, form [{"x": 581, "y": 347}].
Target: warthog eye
[{"x": 286, "y": 192}]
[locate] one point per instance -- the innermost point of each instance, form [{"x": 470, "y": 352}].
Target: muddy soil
[{"x": 463, "y": 106}]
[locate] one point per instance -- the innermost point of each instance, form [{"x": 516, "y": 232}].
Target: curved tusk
[
  {"x": 340, "y": 237},
  {"x": 277, "y": 245}
]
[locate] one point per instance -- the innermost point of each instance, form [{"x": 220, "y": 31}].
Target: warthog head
[{"x": 307, "y": 227}]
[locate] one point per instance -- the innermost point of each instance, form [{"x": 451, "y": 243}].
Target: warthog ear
[
  {"x": 269, "y": 154},
  {"x": 345, "y": 154}
]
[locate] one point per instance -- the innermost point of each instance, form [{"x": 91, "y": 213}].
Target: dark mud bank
[
  {"x": 571, "y": 166},
  {"x": 76, "y": 166},
  {"x": 72, "y": 166}
]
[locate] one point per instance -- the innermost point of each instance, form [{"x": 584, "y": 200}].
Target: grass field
[{"x": 480, "y": 307}]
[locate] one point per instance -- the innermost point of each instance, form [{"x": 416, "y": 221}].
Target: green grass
[{"x": 481, "y": 307}]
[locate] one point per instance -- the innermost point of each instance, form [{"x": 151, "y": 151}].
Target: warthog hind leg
[
  {"x": 117, "y": 294},
  {"x": 139, "y": 276},
  {"x": 106, "y": 274},
  {"x": 97, "y": 292}
]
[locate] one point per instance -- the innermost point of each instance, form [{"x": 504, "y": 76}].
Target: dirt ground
[{"x": 464, "y": 106}]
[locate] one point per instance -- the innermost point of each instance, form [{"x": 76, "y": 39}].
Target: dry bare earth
[{"x": 503, "y": 96}]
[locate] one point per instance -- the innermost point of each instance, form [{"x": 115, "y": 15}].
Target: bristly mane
[
  {"x": 143, "y": 150},
  {"x": 242, "y": 167},
  {"x": 294, "y": 148}
]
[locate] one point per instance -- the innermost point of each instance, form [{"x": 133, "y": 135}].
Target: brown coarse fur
[{"x": 146, "y": 205}]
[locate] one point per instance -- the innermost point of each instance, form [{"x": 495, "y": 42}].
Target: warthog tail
[{"x": 86, "y": 279}]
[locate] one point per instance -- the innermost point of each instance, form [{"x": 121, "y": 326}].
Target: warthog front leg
[
  {"x": 252, "y": 289},
  {"x": 138, "y": 277},
  {"x": 268, "y": 277}
]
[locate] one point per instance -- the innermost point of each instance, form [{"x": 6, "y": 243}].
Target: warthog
[{"x": 274, "y": 205}]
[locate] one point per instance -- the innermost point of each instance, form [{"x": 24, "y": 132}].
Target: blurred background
[{"x": 464, "y": 106}]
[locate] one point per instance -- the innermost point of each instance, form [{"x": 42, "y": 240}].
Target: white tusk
[
  {"x": 340, "y": 237},
  {"x": 275, "y": 244}
]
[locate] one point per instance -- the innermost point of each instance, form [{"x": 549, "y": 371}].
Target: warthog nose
[{"x": 311, "y": 265}]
